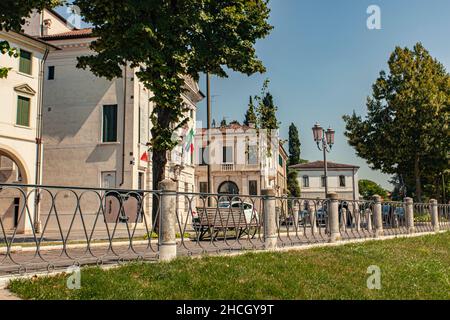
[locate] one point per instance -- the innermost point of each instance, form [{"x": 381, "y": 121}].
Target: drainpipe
[
  {"x": 124, "y": 123},
  {"x": 39, "y": 129}
]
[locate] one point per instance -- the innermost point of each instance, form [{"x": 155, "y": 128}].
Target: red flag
[{"x": 144, "y": 157}]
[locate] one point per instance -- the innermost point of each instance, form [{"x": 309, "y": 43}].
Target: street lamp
[{"x": 325, "y": 141}]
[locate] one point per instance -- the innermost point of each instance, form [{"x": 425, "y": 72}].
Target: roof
[
  {"x": 40, "y": 41},
  {"x": 319, "y": 165},
  {"x": 74, "y": 34},
  {"x": 231, "y": 126}
]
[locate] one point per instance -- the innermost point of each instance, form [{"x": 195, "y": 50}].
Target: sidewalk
[{"x": 6, "y": 295}]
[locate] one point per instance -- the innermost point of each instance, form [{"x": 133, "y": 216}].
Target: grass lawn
[{"x": 413, "y": 268}]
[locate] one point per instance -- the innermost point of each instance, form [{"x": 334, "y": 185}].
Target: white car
[{"x": 250, "y": 214}]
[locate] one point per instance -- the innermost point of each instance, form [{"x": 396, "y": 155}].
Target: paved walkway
[{"x": 6, "y": 295}]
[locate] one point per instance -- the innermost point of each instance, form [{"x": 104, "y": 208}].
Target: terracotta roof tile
[
  {"x": 319, "y": 165},
  {"x": 77, "y": 33}
]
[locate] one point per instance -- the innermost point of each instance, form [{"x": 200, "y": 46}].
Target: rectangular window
[
  {"x": 280, "y": 160},
  {"x": 227, "y": 155},
  {"x": 305, "y": 181},
  {"x": 51, "y": 73},
  {"x": 25, "y": 62},
  {"x": 252, "y": 156},
  {"x": 141, "y": 185},
  {"x": 110, "y": 123},
  {"x": 342, "y": 181},
  {"x": 202, "y": 156},
  {"x": 323, "y": 181},
  {"x": 142, "y": 126},
  {"x": 203, "y": 187},
  {"x": 23, "y": 111},
  {"x": 253, "y": 187}
]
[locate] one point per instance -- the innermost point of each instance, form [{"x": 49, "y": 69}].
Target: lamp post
[{"x": 324, "y": 140}]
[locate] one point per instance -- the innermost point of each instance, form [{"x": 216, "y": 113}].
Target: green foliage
[
  {"x": 13, "y": 14},
  {"x": 368, "y": 188},
  {"x": 5, "y": 48},
  {"x": 250, "y": 115},
  {"x": 294, "y": 158},
  {"x": 167, "y": 40},
  {"x": 406, "y": 130},
  {"x": 294, "y": 145}
]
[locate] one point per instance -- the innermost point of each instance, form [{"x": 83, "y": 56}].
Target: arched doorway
[
  {"x": 228, "y": 187},
  {"x": 12, "y": 199}
]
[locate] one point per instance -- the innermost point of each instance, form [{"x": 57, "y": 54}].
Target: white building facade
[
  {"x": 96, "y": 132},
  {"x": 20, "y": 126},
  {"x": 342, "y": 179}
]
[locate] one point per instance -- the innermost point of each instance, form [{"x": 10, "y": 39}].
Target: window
[
  {"x": 110, "y": 123},
  {"x": 203, "y": 187},
  {"x": 227, "y": 155},
  {"x": 323, "y": 181},
  {"x": 25, "y": 62},
  {"x": 141, "y": 185},
  {"x": 51, "y": 73},
  {"x": 23, "y": 111},
  {"x": 252, "y": 156},
  {"x": 342, "y": 181},
  {"x": 202, "y": 156},
  {"x": 253, "y": 187},
  {"x": 305, "y": 181},
  {"x": 142, "y": 126},
  {"x": 280, "y": 160}
]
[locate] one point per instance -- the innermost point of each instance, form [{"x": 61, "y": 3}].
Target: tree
[
  {"x": 250, "y": 116},
  {"x": 168, "y": 40},
  {"x": 13, "y": 14},
  {"x": 294, "y": 158},
  {"x": 406, "y": 128},
  {"x": 266, "y": 114},
  {"x": 294, "y": 145},
  {"x": 368, "y": 188}
]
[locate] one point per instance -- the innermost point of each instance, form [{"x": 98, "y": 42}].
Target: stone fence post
[
  {"x": 167, "y": 235},
  {"x": 434, "y": 214},
  {"x": 409, "y": 215},
  {"x": 378, "y": 216},
  {"x": 333, "y": 217},
  {"x": 270, "y": 216}
]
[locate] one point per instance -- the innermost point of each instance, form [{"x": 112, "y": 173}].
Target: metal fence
[{"x": 47, "y": 228}]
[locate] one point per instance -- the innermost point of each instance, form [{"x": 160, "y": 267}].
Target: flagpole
[{"x": 208, "y": 129}]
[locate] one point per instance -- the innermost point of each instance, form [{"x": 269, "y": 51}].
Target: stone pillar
[
  {"x": 434, "y": 215},
  {"x": 409, "y": 215},
  {"x": 368, "y": 214},
  {"x": 333, "y": 217},
  {"x": 378, "y": 216},
  {"x": 270, "y": 223},
  {"x": 168, "y": 221}
]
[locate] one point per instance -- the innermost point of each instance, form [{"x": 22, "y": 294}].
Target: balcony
[{"x": 227, "y": 167}]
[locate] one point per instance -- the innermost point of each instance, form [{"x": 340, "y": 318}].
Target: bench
[{"x": 212, "y": 221}]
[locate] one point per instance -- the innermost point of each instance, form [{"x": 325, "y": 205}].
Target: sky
[{"x": 322, "y": 60}]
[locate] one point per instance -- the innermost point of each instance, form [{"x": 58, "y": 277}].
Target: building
[
  {"x": 240, "y": 163},
  {"x": 95, "y": 131},
  {"x": 20, "y": 125},
  {"x": 342, "y": 179}
]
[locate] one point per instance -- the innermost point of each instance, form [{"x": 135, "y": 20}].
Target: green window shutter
[
  {"x": 25, "y": 62},
  {"x": 23, "y": 111},
  {"x": 110, "y": 123}
]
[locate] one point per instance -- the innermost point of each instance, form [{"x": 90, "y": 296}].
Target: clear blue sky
[{"x": 322, "y": 60}]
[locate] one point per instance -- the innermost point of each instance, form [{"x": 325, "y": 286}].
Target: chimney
[{"x": 47, "y": 24}]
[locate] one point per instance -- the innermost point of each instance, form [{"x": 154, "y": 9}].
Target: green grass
[{"x": 412, "y": 268}]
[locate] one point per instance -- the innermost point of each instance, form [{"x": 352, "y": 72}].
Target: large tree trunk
[{"x": 417, "y": 179}]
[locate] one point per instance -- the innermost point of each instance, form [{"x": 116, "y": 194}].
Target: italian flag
[{"x": 190, "y": 141}]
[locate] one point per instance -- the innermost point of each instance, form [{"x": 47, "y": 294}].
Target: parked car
[{"x": 249, "y": 211}]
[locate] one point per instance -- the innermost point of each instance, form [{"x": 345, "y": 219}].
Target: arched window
[{"x": 228, "y": 187}]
